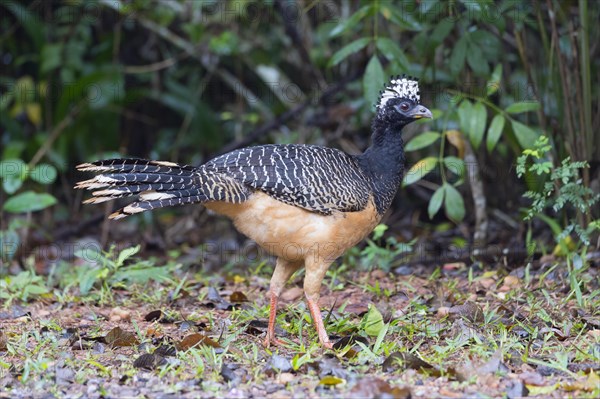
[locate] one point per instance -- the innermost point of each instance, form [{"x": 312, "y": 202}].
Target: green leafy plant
[
  {"x": 379, "y": 253},
  {"x": 22, "y": 287},
  {"x": 562, "y": 188},
  {"x": 110, "y": 270},
  {"x": 370, "y": 16},
  {"x": 469, "y": 121},
  {"x": 14, "y": 173}
]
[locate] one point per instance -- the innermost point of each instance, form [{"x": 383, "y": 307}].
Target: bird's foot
[{"x": 273, "y": 341}]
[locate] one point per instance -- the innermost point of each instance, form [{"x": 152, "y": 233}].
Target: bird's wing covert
[{"x": 315, "y": 178}]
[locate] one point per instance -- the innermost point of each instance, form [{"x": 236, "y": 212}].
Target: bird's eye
[{"x": 404, "y": 106}]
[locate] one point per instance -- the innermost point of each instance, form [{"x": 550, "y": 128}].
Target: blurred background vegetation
[{"x": 187, "y": 80}]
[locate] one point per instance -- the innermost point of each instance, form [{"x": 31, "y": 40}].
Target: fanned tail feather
[
  {"x": 134, "y": 165},
  {"x": 157, "y": 183},
  {"x": 141, "y": 206}
]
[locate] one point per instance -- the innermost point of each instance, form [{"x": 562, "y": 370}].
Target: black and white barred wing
[{"x": 315, "y": 178}]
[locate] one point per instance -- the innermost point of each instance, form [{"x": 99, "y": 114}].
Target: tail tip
[{"x": 117, "y": 215}]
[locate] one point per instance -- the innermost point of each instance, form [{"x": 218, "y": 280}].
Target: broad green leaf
[
  {"x": 34, "y": 289},
  {"x": 465, "y": 110},
  {"x": 422, "y": 140},
  {"x": 352, "y": 21},
  {"x": 419, "y": 170},
  {"x": 453, "y": 204},
  {"x": 477, "y": 61},
  {"x": 488, "y": 43},
  {"x": 90, "y": 253},
  {"x": 477, "y": 125},
  {"x": 455, "y": 165},
  {"x": 349, "y": 49},
  {"x": 493, "y": 83},
  {"x": 87, "y": 280},
  {"x": 495, "y": 131},
  {"x": 141, "y": 275},
  {"x": 435, "y": 203},
  {"x": 29, "y": 18},
  {"x": 44, "y": 173},
  {"x": 523, "y": 106},
  {"x": 472, "y": 120},
  {"x": 28, "y": 202},
  {"x": 404, "y": 20},
  {"x": 11, "y": 184},
  {"x": 459, "y": 53},
  {"x": 441, "y": 31},
  {"x": 51, "y": 57},
  {"x": 126, "y": 254},
  {"x": 373, "y": 80},
  {"x": 13, "y": 168},
  {"x": 12, "y": 149},
  {"x": 525, "y": 135},
  {"x": 373, "y": 321},
  {"x": 392, "y": 51}
]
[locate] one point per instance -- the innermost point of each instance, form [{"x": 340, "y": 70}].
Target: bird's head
[{"x": 400, "y": 103}]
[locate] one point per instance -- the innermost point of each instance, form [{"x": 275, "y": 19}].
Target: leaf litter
[{"x": 496, "y": 336}]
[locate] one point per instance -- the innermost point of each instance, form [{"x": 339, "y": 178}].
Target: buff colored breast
[{"x": 293, "y": 233}]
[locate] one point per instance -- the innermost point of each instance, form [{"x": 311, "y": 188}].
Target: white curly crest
[{"x": 400, "y": 87}]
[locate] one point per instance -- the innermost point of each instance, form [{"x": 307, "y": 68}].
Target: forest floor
[{"x": 439, "y": 331}]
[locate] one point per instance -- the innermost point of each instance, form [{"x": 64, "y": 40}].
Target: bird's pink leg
[{"x": 315, "y": 312}]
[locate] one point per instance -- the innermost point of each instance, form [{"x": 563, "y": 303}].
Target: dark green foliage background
[{"x": 186, "y": 80}]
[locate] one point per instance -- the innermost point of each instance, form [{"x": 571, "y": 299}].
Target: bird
[{"x": 304, "y": 204}]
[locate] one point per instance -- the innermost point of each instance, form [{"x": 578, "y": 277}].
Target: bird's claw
[{"x": 272, "y": 341}]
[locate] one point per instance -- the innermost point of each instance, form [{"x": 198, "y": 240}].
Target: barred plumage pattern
[{"x": 318, "y": 179}]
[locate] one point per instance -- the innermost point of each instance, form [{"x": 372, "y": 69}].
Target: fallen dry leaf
[
  {"x": 405, "y": 361},
  {"x": 153, "y": 316},
  {"x": 149, "y": 361},
  {"x": 165, "y": 350},
  {"x": 194, "y": 340},
  {"x": 3, "y": 341},
  {"x": 469, "y": 310},
  {"x": 359, "y": 309},
  {"x": 512, "y": 282},
  {"x": 587, "y": 384},
  {"x": 215, "y": 300},
  {"x": 238, "y": 297},
  {"x": 119, "y": 337},
  {"x": 349, "y": 340},
  {"x": 532, "y": 378}
]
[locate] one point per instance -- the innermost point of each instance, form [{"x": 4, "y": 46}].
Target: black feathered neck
[{"x": 384, "y": 160}]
